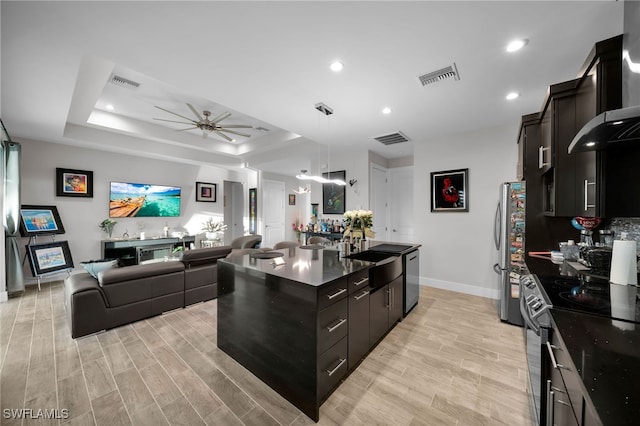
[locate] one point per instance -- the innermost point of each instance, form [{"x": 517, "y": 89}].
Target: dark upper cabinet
[{"x": 557, "y": 129}]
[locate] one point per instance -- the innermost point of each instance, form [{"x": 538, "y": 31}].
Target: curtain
[{"x": 11, "y": 163}]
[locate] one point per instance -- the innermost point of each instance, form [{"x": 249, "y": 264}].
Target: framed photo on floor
[
  {"x": 450, "y": 191},
  {"x": 206, "y": 192},
  {"x": 49, "y": 257},
  {"x": 40, "y": 220},
  {"x": 74, "y": 183}
]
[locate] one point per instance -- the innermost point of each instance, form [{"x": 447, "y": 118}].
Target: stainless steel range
[{"x": 534, "y": 306}]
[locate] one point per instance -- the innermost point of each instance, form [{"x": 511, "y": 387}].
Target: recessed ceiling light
[
  {"x": 337, "y": 66},
  {"x": 513, "y": 95},
  {"x": 110, "y": 107},
  {"x": 516, "y": 45},
  {"x": 386, "y": 110}
]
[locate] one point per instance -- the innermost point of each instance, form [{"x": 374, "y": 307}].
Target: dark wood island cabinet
[{"x": 303, "y": 325}]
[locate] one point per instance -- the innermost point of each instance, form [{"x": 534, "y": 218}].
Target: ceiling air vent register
[
  {"x": 123, "y": 82},
  {"x": 440, "y": 75},
  {"x": 392, "y": 138}
]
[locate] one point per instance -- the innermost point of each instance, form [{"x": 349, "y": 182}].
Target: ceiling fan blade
[
  {"x": 195, "y": 112},
  {"x": 188, "y": 128},
  {"x": 181, "y": 116},
  {"x": 235, "y": 133},
  {"x": 221, "y": 117},
  {"x": 172, "y": 121},
  {"x": 237, "y": 126},
  {"x": 224, "y": 136}
]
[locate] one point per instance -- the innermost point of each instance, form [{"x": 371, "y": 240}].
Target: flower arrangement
[
  {"x": 107, "y": 226},
  {"x": 211, "y": 226},
  {"x": 298, "y": 228},
  {"x": 360, "y": 221}
]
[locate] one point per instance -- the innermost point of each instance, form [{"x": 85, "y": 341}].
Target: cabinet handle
[
  {"x": 541, "y": 150},
  {"x": 342, "y": 361},
  {"x": 559, "y": 401},
  {"x": 412, "y": 258},
  {"x": 362, "y": 281},
  {"x": 586, "y": 203},
  {"x": 553, "y": 358},
  {"x": 342, "y": 321},
  {"x": 363, "y": 294},
  {"x": 337, "y": 293},
  {"x": 550, "y": 396}
]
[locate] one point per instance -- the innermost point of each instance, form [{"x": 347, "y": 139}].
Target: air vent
[
  {"x": 440, "y": 75},
  {"x": 124, "y": 82},
  {"x": 325, "y": 109},
  {"x": 392, "y": 138}
]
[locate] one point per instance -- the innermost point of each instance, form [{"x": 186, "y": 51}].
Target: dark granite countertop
[
  {"x": 312, "y": 267},
  {"x": 606, "y": 354}
]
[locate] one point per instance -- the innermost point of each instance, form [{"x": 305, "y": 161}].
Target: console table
[
  {"x": 133, "y": 251},
  {"x": 333, "y": 236}
]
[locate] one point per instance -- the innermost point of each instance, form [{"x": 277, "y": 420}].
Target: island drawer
[
  {"x": 358, "y": 280},
  {"x": 332, "y": 367},
  {"x": 562, "y": 363},
  {"x": 332, "y": 325},
  {"x": 332, "y": 293}
]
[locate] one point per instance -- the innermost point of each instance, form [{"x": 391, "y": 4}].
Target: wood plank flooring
[{"x": 450, "y": 362}]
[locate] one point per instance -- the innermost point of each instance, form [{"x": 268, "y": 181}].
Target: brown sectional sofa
[{"x": 124, "y": 295}]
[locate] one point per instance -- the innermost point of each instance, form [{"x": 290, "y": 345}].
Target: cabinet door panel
[
  {"x": 379, "y": 311},
  {"x": 358, "y": 326}
]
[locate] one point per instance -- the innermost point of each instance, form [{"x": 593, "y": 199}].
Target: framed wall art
[
  {"x": 253, "y": 210},
  {"x": 334, "y": 196},
  {"x": 292, "y": 199},
  {"x": 40, "y": 220},
  {"x": 74, "y": 183},
  {"x": 49, "y": 257},
  {"x": 450, "y": 191},
  {"x": 206, "y": 192}
]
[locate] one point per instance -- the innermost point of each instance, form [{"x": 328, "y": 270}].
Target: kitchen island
[{"x": 292, "y": 324}]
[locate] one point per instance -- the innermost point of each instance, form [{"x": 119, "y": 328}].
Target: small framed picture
[
  {"x": 292, "y": 199},
  {"x": 206, "y": 192},
  {"x": 450, "y": 191},
  {"x": 49, "y": 257},
  {"x": 40, "y": 220},
  {"x": 74, "y": 183}
]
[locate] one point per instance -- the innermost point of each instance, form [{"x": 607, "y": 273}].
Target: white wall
[
  {"x": 81, "y": 216},
  {"x": 298, "y": 213},
  {"x": 457, "y": 248}
]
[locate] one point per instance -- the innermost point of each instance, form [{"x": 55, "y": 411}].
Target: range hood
[{"x": 611, "y": 128}]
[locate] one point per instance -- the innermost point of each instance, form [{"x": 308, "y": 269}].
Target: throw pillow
[{"x": 94, "y": 267}]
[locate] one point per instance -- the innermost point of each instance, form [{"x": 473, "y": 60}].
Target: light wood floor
[{"x": 450, "y": 362}]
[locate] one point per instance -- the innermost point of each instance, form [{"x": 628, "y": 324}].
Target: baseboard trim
[
  {"x": 460, "y": 288},
  {"x": 4, "y": 296}
]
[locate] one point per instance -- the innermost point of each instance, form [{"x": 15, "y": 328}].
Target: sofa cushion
[
  {"x": 94, "y": 267},
  {"x": 139, "y": 271},
  {"x": 204, "y": 255}
]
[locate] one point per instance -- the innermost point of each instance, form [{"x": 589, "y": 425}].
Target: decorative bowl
[{"x": 589, "y": 223}]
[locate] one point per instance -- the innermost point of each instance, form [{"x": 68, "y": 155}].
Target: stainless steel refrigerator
[{"x": 508, "y": 234}]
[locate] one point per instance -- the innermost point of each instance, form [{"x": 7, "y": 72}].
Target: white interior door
[
  {"x": 233, "y": 210},
  {"x": 379, "y": 196},
  {"x": 274, "y": 212},
  {"x": 401, "y": 212}
]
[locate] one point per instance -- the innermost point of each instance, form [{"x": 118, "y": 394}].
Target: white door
[
  {"x": 233, "y": 210},
  {"x": 379, "y": 196},
  {"x": 274, "y": 213},
  {"x": 401, "y": 212}
]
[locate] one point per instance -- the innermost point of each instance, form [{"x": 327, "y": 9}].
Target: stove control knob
[
  {"x": 537, "y": 305},
  {"x": 534, "y": 301}
]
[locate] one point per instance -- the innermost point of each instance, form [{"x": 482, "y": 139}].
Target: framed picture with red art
[
  {"x": 450, "y": 191},
  {"x": 206, "y": 192}
]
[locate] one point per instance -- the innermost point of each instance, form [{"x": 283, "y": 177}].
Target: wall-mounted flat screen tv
[{"x": 143, "y": 200}]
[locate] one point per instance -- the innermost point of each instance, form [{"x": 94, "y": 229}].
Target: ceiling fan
[{"x": 208, "y": 125}]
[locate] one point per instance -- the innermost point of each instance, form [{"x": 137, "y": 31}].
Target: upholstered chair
[
  {"x": 319, "y": 240},
  {"x": 248, "y": 241},
  {"x": 285, "y": 244}
]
